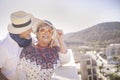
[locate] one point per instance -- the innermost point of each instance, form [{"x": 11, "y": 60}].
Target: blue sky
[{"x": 69, "y": 15}]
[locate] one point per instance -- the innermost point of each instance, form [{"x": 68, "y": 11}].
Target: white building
[
  {"x": 113, "y": 54},
  {"x": 88, "y": 68}
]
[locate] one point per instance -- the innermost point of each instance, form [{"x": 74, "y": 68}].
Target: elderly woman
[{"x": 39, "y": 61}]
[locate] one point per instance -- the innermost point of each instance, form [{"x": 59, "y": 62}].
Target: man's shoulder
[
  {"x": 5, "y": 41},
  {"x": 2, "y": 42}
]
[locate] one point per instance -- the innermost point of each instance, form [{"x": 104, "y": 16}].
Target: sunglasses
[{"x": 45, "y": 31}]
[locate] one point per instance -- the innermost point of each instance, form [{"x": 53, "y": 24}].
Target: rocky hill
[{"x": 100, "y": 34}]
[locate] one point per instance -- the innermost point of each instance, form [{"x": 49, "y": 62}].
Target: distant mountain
[{"x": 100, "y": 34}]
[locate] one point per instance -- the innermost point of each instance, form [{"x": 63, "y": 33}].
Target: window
[
  {"x": 94, "y": 77},
  {"x": 89, "y": 71},
  {"x": 90, "y": 78},
  {"x": 88, "y": 62},
  {"x": 94, "y": 71}
]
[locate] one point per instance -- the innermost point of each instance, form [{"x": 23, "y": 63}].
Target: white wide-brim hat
[{"x": 21, "y": 22}]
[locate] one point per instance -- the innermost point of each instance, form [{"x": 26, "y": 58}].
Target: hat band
[{"x": 22, "y": 25}]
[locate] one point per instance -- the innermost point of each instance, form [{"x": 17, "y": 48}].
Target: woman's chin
[{"x": 46, "y": 41}]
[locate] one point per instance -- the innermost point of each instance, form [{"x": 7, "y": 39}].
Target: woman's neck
[{"x": 42, "y": 45}]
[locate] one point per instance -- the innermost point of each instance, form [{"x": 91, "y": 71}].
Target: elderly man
[{"x": 18, "y": 37}]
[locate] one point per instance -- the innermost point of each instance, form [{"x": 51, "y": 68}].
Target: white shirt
[{"x": 9, "y": 56}]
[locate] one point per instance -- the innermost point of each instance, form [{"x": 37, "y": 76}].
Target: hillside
[{"x": 100, "y": 34}]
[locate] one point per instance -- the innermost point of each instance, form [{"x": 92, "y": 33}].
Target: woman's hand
[
  {"x": 57, "y": 38},
  {"x": 60, "y": 35},
  {"x": 62, "y": 45}
]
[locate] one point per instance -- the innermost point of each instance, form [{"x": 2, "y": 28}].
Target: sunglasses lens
[
  {"x": 44, "y": 31},
  {"x": 50, "y": 31}
]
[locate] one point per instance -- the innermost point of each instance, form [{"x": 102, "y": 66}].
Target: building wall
[
  {"x": 111, "y": 51},
  {"x": 88, "y": 68}
]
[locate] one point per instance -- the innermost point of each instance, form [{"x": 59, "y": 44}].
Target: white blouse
[{"x": 37, "y": 64}]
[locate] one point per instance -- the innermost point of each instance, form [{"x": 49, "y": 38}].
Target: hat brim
[
  {"x": 37, "y": 21},
  {"x": 14, "y": 30}
]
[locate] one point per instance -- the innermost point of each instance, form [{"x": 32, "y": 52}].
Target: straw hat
[{"x": 21, "y": 22}]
